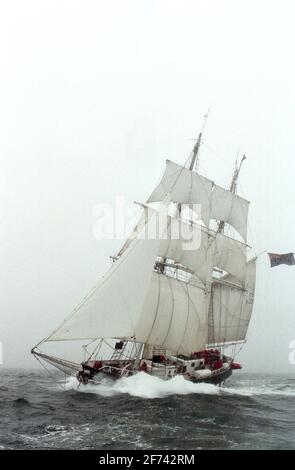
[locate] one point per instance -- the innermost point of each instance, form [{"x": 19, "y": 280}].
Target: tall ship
[{"x": 178, "y": 295}]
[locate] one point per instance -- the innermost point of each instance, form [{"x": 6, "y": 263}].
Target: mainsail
[
  {"x": 174, "y": 315},
  {"x": 232, "y": 306},
  {"x": 186, "y": 287}
]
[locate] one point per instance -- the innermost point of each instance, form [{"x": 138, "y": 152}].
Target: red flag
[{"x": 276, "y": 259}]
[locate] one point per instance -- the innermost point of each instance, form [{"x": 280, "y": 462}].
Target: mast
[
  {"x": 232, "y": 188},
  {"x": 193, "y": 165},
  {"x": 234, "y": 182},
  {"x": 195, "y": 154}
]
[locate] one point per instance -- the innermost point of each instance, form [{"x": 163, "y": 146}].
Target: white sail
[
  {"x": 141, "y": 228},
  {"x": 230, "y": 208},
  {"x": 113, "y": 308},
  {"x": 232, "y": 306},
  {"x": 231, "y": 256},
  {"x": 186, "y": 187},
  {"x": 189, "y": 245},
  {"x": 174, "y": 316}
]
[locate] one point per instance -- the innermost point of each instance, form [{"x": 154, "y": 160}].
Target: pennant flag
[{"x": 276, "y": 259}]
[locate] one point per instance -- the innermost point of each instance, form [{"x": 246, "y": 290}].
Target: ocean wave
[
  {"x": 249, "y": 391},
  {"x": 21, "y": 402}
]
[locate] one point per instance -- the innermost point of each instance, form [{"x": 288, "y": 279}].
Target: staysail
[{"x": 113, "y": 307}]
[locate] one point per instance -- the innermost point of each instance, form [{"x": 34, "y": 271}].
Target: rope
[{"x": 49, "y": 373}]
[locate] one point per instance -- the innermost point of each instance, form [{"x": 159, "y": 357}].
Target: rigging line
[
  {"x": 96, "y": 349},
  {"x": 49, "y": 373},
  {"x": 211, "y": 326},
  {"x": 219, "y": 326},
  {"x": 240, "y": 349},
  {"x": 214, "y": 152}
]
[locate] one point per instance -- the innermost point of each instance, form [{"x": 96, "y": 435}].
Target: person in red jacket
[{"x": 143, "y": 367}]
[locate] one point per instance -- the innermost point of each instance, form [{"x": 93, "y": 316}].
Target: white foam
[
  {"x": 262, "y": 389},
  {"x": 144, "y": 386}
]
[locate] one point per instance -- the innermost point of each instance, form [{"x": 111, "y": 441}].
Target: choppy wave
[{"x": 250, "y": 411}]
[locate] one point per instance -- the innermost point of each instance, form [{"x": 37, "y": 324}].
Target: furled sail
[
  {"x": 232, "y": 306},
  {"x": 174, "y": 315},
  {"x": 113, "y": 308},
  {"x": 186, "y": 187}
]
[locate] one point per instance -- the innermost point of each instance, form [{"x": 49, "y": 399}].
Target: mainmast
[
  {"x": 234, "y": 182},
  {"x": 232, "y": 188},
  {"x": 193, "y": 165}
]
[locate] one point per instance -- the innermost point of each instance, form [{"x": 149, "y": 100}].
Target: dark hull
[{"x": 217, "y": 379}]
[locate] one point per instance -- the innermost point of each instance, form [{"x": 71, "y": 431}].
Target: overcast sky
[{"x": 94, "y": 96}]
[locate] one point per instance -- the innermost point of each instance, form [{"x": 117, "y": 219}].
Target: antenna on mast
[{"x": 195, "y": 153}]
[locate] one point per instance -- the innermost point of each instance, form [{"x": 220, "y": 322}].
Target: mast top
[
  {"x": 195, "y": 152},
  {"x": 237, "y": 170},
  {"x": 233, "y": 187}
]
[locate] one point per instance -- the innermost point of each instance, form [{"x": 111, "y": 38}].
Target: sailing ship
[{"x": 167, "y": 307}]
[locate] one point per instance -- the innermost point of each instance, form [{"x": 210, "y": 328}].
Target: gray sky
[{"x": 94, "y": 96}]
